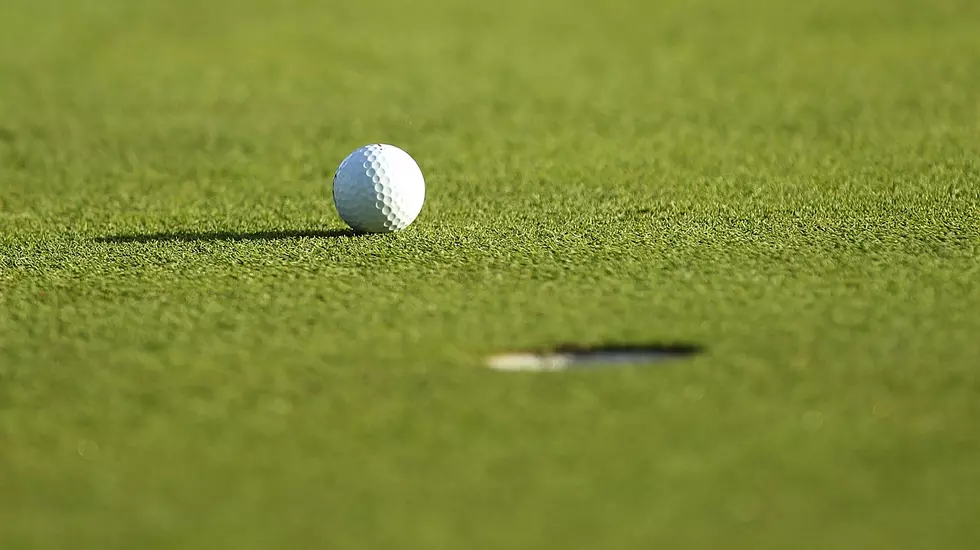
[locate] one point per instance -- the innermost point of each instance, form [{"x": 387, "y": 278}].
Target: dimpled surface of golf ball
[{"x": 378, "y": 188}]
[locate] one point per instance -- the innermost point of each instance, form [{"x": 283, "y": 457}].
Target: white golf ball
[{"x": 378, "y": 189}]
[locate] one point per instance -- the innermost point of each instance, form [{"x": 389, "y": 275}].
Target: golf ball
[{"x": 378, "y": 189}]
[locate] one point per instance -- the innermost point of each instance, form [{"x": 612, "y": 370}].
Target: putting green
[{"x": 195, "y": 354}]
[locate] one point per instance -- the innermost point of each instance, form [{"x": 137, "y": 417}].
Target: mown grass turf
[{"x": 194, "y": 354}]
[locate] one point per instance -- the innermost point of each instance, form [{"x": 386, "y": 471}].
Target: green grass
[{"x": 192, "y": 357}]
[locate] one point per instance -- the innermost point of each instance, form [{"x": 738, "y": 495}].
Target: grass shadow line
[{"x": 229, "y": 236}]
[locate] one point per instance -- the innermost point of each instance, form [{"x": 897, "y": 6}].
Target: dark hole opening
[
  {"x": 679, "y": 350},
  {"x": 577, "y": 356}
]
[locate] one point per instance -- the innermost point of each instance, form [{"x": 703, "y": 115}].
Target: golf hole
[{"x": 580, "y": 357}]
